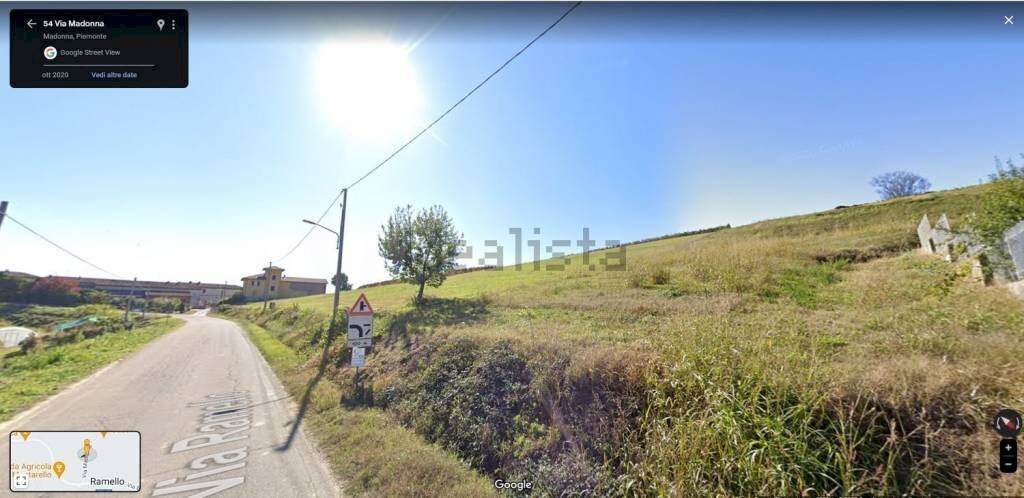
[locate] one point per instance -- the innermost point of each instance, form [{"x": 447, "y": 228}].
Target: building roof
[
  {"x": 297, "y": 280},
  {"x": 149, "y": 284},
  {"x": 300, "y": 280}
]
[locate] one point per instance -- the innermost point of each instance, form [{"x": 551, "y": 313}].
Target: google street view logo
[{"x": 50, "y": 53}]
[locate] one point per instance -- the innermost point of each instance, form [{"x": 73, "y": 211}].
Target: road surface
[{"x": 167, "y": 391}]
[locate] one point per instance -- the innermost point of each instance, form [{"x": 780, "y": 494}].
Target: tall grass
[{"x": 803, "y": 355}]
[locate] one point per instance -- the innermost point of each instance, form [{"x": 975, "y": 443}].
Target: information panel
[
  {"x": 75, "y": 461},
  {"x": 99, "y": 48}
]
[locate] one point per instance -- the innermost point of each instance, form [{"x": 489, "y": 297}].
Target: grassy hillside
[
  {"x": 810, "y": 353},
  {"x": 57, "y": 360}
]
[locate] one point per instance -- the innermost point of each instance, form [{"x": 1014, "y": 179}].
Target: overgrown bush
[
  {"x": 1002, "y": 205},
  {"x": 644, "y": 275},
  {"x": 28, "y": 344},
  {"x": 236, "y": 299}
]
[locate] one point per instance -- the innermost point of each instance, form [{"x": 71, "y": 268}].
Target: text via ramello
[{"x": 225, "y": 421}]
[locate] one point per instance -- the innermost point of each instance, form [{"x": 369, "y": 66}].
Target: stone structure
[
  {"x": 1014, "y": 238},
  {"x": 924, "y": 235},
  {"x": 941, "y": 239}
]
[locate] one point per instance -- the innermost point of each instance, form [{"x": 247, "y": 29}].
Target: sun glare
[{"x": 368, "y": 89}]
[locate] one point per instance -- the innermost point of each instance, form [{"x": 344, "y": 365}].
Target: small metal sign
[
  {"x": 360, "y": 331},
  {"x": 360, "y": 324},
  {"x": 358, "y": 357}
]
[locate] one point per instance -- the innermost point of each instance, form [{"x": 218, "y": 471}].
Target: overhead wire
[{"x": 430, "y": 125}]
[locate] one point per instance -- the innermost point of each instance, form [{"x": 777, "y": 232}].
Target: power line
[
  {"x": 471, "y": 92},
  {"x": 431, "y": 125},
  {"x": 311, "y": 228},
  {"x": 58, "y": 246}
]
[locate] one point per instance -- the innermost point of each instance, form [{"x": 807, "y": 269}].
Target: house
[{"x": 272, "y": 284}]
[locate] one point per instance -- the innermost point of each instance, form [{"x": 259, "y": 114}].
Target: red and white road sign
[
  {"x": 361, "y": 306},
  {"x": 360, "y": 323}
]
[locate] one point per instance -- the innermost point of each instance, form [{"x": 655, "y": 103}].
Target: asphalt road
[{"x": 168, "y": 390}]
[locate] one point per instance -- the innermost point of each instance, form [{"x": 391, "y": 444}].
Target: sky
[{"x": 629, "y": 120}]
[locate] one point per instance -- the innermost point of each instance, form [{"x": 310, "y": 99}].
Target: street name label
[{"x": 47, "y": 461}]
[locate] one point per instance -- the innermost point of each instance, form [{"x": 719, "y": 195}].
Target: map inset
[{"x": 75, "y": 461}]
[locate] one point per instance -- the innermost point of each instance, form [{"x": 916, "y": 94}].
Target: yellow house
[{"x": 272, "y": 284}]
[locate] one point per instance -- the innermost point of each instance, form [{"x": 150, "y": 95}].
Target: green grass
[
  {"x": 367, "y": 449},
  {"x": 814, "y": 352},
  {"x": 27, "y": 379}
]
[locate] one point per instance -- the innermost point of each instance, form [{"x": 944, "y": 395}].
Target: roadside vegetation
[
  {"x": 64, "y": 292},
  {"x": 999, "y": 210},
  {"x": 812, "y": 354},
  {"x": 368, "y": 450},
  {"x": 42, "y": 365}
]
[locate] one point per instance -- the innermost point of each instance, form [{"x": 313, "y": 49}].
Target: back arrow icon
[{"x": 31, "y": 24}]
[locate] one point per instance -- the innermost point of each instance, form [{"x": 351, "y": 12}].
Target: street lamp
[
  {"x": 340, "y": 234},
  {"x": 325, "y": 228}
]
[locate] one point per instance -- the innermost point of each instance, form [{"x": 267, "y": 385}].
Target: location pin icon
[
  {"x": 160, "y": 24},
  {"x": 58, "y": 468}
]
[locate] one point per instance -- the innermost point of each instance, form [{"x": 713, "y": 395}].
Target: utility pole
[
  {"x": 3, "y": 211},
  {"x": 131, "y": 297},
  {"x": 266, "y": 285},
  {"x": 337, "y": 273}
]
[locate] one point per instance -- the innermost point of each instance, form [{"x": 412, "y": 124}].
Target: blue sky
[{"x": 633, "y": 120}]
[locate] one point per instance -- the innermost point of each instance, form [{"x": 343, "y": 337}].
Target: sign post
[{"x": 360, "y": 334}]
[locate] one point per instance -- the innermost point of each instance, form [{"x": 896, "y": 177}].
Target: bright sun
[{"x": 368, "y": 88}]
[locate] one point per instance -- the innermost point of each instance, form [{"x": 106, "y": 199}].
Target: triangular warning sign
[{"x": 361, "y": 307}]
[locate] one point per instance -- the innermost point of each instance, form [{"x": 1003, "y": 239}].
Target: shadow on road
[
  {"x": 324, "y": 358},
  {"x": 267, "y": 402}
]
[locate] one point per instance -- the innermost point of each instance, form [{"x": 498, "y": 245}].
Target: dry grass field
[{"x": 802, "y": 355}]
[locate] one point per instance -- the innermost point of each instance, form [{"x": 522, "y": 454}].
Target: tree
[
  {"x": 900, "y": 184},
  {"x": 54, "y": 290},
  {"x": 93, "y": 296},
  {"x": 14, "y": 289},
  {"x": 345, "y": 285},
  {"x": 419, "y": 250},
  {"x": 163, "y": 304},
  {"x": 236, "y": 298}
]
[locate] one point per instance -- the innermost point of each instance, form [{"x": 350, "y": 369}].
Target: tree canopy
[
  {"x": 419, "y": 249},
  {"x": 900, "y": 184}
]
